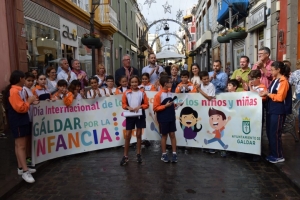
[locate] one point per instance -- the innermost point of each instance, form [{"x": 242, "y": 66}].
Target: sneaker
[
  {"x": 174, "y": 158},
  {"x": 30, "y": 170},
  {"x": 124, "y": 161},
  {"x": 273, "y": 159},
  {"x": 212, "y": 151},
  {"x": 225, "y": 146},
  {"x": 28, "y": 177},
  {"x": 28, "y": 161},
  {"x": 139, "y": 158},
  {"x": 2, "y": 136},
  {"x": 223, "y": 154},
  {"x": 165, "y": 158}
]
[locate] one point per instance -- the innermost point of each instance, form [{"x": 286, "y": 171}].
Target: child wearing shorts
[
  {"x": 165, "y": 112},
  {"x": 134, "y": 99},
  {"x": 18, "y": 118}
]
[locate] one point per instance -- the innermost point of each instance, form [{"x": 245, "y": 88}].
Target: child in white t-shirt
[
  {"x": 133, "y": 100},
  {"x": 206, "y": 88},
  {"x": 123, "y": 85},
  {"x": 110, "y": 89},
  {"x": 95, "y": 91},
  {"x": 146, "y": 85}
]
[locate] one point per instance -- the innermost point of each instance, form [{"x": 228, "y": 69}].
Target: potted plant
[
  {"x": 91, "y": 39},
  {"x": 141, "y": 56},
  {"x": 238, "y": 33},
  {"x": 223, "y": 38}
]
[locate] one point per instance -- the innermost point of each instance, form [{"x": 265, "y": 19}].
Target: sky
[{"x": 156, "y": 11}]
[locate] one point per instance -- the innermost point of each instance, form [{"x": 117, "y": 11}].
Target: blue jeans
[
  {"x": 216, "y": 139},
  {"x": 298, "y": 98}
]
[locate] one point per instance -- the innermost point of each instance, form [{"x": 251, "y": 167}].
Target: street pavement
[{"x": 197, "y": 175}]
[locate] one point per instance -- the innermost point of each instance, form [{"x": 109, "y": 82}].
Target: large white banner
[{"x": 230, "y": 122}]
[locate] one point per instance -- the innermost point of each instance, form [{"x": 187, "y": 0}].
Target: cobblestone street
[{"x": 197, "y": 175}]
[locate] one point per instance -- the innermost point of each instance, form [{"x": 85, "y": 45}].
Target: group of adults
[
  {"x": 217, "y": 76},
  {"x": 68, "y": 73}
]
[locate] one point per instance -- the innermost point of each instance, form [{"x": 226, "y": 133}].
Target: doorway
[{"x": 68, "y": 52}]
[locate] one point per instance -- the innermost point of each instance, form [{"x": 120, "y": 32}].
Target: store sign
[
  {"x": 257, "y": 19},
  {"x": 133, "y": 48},
  {"x": 68, "y": 32}
]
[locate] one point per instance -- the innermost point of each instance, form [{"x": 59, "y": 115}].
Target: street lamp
[{"x": 95, "y": 5}]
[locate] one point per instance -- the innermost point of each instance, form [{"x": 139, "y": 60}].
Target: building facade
[
  {"x": 204, "y": 18},
  {"x": 54, "y": 30},
  {"x": 124, "y": 41},
  {"x": 259, "y": 26},
  {"x": 40, "y": 32},
  {"x": 143, "y": 47},
  {"x": 287, "y": 30},
  {"x": 190, "y": 23}
]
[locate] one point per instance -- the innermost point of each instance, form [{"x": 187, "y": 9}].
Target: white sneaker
[
  {"x": 20, "y": 171},
  {"x": 31, "y": 170},
  {"x": 28, "y": 177}
]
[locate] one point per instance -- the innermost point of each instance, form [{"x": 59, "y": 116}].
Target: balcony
[
  {"x": 206, "y": 36},
  {"x": 107, "y": 16}
]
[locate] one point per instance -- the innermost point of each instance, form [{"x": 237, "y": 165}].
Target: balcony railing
[{"x": 108, "y": 16}]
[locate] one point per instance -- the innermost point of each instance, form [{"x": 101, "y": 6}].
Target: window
[
  {"x": 238, "y": 52},
  {"x": 197, "y": 32},
  {"x": 205, "y": 16},
  {"x": 43, "y": 45},
  {"x": 210, "y": 16},
  {"x": 107, "y": 60},
  {"x": 193, "y": 37},
  {"x": 260, "y": 38},
  {"x": 132, "y": 58},
  {"x": 137, "y": 30},
  {"x": 140, "y": 32}
]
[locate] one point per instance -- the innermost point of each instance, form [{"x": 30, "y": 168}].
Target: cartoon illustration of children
[
  {"x": 188, "y": 122},
  {"x": 217, "y": 120}
]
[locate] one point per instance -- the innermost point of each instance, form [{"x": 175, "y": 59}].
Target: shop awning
[
  {"x": 238, "y": 6},
  {"x": 187, "y": 16}
]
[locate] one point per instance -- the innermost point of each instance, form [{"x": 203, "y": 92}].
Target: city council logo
[{"x": 246, "y": 125}]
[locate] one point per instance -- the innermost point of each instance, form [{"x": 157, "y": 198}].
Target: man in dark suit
[{"x": 126, "y": 69}]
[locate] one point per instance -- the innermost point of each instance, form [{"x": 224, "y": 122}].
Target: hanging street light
[{"x": 166, "y": 28}]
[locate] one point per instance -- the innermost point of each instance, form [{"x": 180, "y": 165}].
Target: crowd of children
[{"x": 26, "y": 89}]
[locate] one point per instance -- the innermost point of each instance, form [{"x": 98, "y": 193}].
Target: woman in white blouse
[
  {"x": 195, "y": 78},
  {"x": 51, "y": 79},
  {"x": 101, "y": 76}
]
